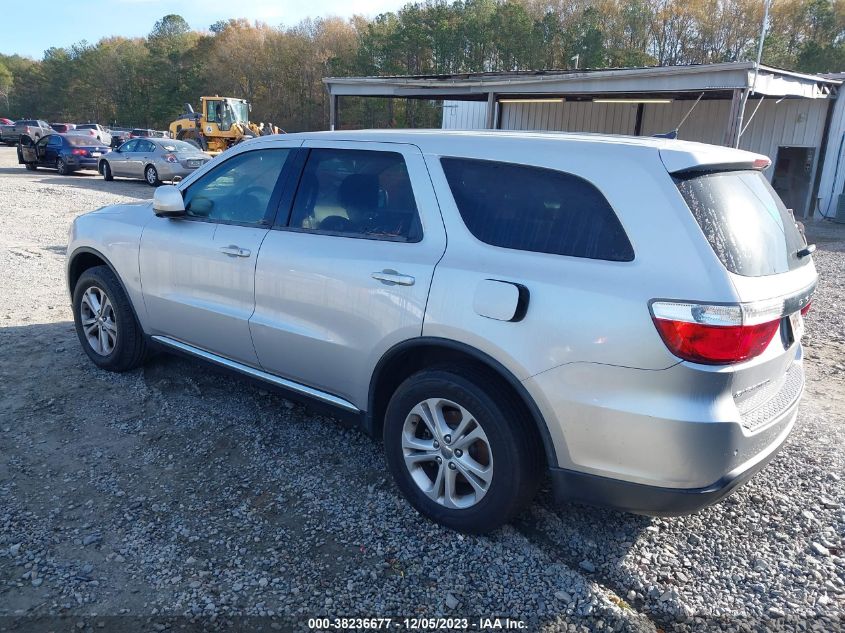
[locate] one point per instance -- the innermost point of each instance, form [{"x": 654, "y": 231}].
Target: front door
[
  {"x": 198, "y": 272},
  {"x": 119, "y": 159},
  {"x": 347, "y": 276}
]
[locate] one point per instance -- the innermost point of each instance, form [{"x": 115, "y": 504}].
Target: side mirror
[{"x": 168, "y": 202}]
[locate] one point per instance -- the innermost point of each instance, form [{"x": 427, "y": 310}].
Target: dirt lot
[{"x": 175, "y": 494}]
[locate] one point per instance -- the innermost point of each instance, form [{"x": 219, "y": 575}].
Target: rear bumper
[
  {"x": 82, "y": 163},
  {"x": 168, "y": 171},
  {"x": 569, "y": 485}
]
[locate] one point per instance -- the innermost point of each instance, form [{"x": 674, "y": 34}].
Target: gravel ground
[{"x": 176, "y": 494}]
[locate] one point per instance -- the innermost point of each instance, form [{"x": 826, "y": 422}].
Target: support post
[
  {"x": 333, "y": 103},
  {"x": 491, "y": 110},
  {"x": 638, "y": 123},
  {"x": 735, "y": 117}
]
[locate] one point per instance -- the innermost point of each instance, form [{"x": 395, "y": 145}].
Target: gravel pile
[{"x": 179, "y": 492}]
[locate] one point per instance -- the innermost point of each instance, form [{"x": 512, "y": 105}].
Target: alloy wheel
[
  {"x": 98, "y": 320},
  {"x": 447, "y": 453},
  {"x": 152, "y": 176}
]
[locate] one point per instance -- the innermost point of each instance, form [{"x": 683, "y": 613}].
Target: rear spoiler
[{"x": 695, "y": 158}]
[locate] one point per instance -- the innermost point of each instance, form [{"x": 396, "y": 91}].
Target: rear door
[
  {"x": 198, "y": 271},
  {"x": 348, "y": 276}
]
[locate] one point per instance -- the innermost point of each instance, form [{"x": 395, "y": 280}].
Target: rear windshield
[
  {"x": 81, "y": 141},
  {"x": 180, "y": 147},
  {"x": 749, "y": 228}
]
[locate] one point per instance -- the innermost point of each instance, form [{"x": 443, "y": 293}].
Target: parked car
[
  {"x": 141, "y": 133},
  {"x": 5, "y": 121},
  {"x": 153, "y": 160},
  {"x": 65, "y": 153},
  {"x": 119, "y": 136},
  {"x": 623, "y": 313},
  {"x": 8, "y": 130},
  {"x": 62, "y": 128},
  {"x": 33, "y": 128},
  {"x": 96, "y": 130}
]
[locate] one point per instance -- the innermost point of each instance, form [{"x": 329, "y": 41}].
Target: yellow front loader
[{"x": 221, "y": 123}]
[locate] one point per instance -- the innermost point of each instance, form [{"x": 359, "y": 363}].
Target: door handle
[
  {"x": 235, "y": 251},
  {"x": 392, "y": 278}
]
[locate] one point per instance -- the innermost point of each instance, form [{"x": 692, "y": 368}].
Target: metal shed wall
[
  {"x": 464, "y": 115},
  {"x": 792, "y": 122}
]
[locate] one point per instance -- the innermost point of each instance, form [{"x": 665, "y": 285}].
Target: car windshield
[
  {"x": 745, "y": 222},
  {"x": 179, "y": 147}
]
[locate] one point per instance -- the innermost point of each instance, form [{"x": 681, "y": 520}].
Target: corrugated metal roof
[{"x": 723, "y": 76}]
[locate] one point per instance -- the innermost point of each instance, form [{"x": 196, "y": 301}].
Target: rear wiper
[{"x": 808, "y": 250}]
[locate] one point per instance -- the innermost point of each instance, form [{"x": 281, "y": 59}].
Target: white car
[
  {"x": 623, "y": 314},
  {"x": 94, "y": 129}
]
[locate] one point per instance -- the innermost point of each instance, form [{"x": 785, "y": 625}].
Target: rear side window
[
  {"x": 536, "y": 209},
  {"x": 745, "y": 222}
]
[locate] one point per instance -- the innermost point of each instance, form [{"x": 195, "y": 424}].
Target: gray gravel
[{"x": 178, "y": 492}]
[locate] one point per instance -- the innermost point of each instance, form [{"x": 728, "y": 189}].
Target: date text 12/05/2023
[{"x": 417, "y": 624}]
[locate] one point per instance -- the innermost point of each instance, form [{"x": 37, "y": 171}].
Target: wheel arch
[
  {"x": 413, "y": 355},
  {"x": 84, "y": 258}
]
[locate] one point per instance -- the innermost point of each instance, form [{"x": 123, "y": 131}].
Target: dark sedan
[{"x": 65, "y": 153}]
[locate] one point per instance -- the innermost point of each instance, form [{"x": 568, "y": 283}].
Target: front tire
[
  {"x": 105, "y": 169},
  {"x": 61, "y": 167},
  {"x": 105, "y": 323},
  {"x": 151, "y": 176},
  {"x": 461, "y": 453},
  {"x": 31, "y": 166}
]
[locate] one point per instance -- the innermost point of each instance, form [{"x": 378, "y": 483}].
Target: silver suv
[{"x": 623, "y": 314}]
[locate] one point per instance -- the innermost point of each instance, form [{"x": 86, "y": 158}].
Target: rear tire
[
  {"x": 151, "y": 176},
  {"x": 31, "y": 166},
  {"x": 105, "y": 323},
  {"x": 61, "y": 167},
  {"x": 105, "y": 169},
  {"x": 492, "y": 445}
]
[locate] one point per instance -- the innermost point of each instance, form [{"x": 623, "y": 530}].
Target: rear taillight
[
  {"x": 806, "y": 309},
  {"x": 716, "y": 334},
  {"x": 171, "y": 158},
  {"x": 79, "y": 152}
]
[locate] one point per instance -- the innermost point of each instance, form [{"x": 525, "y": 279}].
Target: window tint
[
  {"x": 82, "y": 141},
  {"x": 745, "y": 222},
  {"x": 358, "y": 193},
  {"x": 55, "y": 141},
  {"x": 129, "y": 146},
  {"x": 239, "y": 189},
  {"x": 535, "y": 209},
  {"x": 146, "y": 146}
]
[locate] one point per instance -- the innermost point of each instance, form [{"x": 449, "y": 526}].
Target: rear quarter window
[
  {"x": 535, "y": 209},
  {"x": 749, "y": 228}
]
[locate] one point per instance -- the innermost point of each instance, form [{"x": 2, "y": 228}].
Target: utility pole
[{"x": 747, "y": 92}]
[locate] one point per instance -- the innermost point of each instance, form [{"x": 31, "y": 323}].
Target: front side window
[
  {"x": 238, "y": 190},
  {"x": 55, "y": 141},
  {"x": 357, "y": 193},
  {"x": 535, "y": 209}
]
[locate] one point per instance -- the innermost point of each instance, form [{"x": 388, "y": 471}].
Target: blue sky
[{"x": 63, "y": 23}]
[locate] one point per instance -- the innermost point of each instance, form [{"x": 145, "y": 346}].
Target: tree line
[{"x": 145, "y": 81}]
